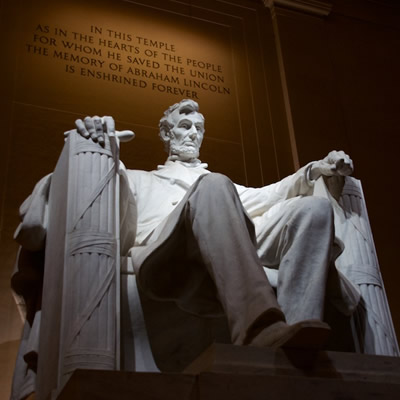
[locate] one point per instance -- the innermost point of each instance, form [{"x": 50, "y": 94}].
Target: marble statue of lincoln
[{"x": 202, "y": 241}]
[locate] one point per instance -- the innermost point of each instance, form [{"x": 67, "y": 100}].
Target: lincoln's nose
[{"x": 193, "y": 132}]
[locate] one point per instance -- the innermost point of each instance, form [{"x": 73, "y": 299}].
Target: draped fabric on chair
[{"x": 372, "y": 326}]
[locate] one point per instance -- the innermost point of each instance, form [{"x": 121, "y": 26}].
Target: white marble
[{"x": 93, "y": 214}]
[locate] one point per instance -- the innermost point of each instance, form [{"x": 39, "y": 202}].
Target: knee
[
  {"x": 215, "y": 193},
  {"x": 318, "y": 204},
  {"x": 215, "y": 181},
  {"x": 317, "y": 209},
  {"x": 215, "y": 188}
]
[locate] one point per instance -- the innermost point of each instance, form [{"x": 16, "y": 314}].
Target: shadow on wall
[{"x": 8, "y": 354}]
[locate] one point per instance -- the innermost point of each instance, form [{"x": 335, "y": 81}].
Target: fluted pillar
[{"x": 80, "y": 307}]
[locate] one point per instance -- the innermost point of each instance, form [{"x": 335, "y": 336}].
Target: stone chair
[{"x": 91, "y": 313}]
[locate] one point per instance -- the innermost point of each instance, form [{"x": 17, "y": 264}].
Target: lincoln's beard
[{"x": 185, "y": 153}]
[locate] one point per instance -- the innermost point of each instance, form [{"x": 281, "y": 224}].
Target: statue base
[{"x": 235, "y": 372}]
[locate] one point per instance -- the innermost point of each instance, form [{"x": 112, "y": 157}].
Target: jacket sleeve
[
  {"x": 257, "y": 201},
  {"x": 128, "y": 212},
  {"x": 31, "y": 232}
]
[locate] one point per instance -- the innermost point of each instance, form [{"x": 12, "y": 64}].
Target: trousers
[{"x": 297, "y": 239}]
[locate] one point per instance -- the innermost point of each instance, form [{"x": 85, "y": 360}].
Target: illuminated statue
[{"x": 188, "y": 236}]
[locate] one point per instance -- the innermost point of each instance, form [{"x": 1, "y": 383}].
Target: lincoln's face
[{"x": 186, "y": 135}]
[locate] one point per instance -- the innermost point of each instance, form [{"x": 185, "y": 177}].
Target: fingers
[
  {"x": 99, "y": 132},
  {"x": 344, "y": 167},
  {"x": 95, "y": 128},
  {"x": 92, "y": 127},
  {"x": 344, "y": 164},
  {"x": 341, "y": 163},
  {"x": 81, "y": 128}
]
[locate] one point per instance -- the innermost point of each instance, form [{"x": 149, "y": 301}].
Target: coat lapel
[{"x": 180, "y": 173}]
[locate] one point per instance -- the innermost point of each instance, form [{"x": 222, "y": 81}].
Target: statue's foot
[{"x": 308, "y": 334}]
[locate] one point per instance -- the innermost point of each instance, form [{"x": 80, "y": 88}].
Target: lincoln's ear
[{"x": 165, "y": 135}]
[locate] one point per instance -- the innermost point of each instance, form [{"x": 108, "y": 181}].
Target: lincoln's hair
[{"x": 185, "y": 106}]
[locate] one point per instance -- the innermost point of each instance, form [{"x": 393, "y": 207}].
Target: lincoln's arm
[
  {"x": 31, "y": 232},
  {"x": 128, "y": 212},
  {"x": 259, "y": 200}
]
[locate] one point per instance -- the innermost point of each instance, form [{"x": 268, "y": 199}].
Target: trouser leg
[
  {"x": 299, "y": 240},
  {"x": 224, "y": 236}
]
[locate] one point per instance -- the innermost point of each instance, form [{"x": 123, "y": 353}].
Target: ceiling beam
[{"x": 314, "y": 7}]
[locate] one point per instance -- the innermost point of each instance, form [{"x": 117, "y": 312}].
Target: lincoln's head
[{"x": 182, "y": 130}]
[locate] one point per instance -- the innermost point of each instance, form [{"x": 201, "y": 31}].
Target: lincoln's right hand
[{"x": 95, "y": 128}]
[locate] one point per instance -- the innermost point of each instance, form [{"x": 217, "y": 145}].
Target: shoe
[{"x": 308, "y": 334}]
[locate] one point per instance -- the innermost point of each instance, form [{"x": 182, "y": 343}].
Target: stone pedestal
[{"x": 233, "y": 372}]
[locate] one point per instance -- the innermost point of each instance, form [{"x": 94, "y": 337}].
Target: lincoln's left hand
[{"x": 335, "y": 163}]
